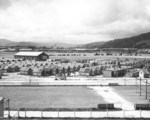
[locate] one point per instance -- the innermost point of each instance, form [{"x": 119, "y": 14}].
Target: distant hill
[
  {"x": 93, "y": 45},
  {"x": 5, "y": 42},
  {"x": 139, "y": 41}
]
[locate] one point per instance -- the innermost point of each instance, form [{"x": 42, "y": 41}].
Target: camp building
[
  {"x": 40, "y": 56},
  {"x": 145, "y": 72}
]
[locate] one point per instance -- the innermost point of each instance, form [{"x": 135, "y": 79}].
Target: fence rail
[{"x": 79, "y": 114}]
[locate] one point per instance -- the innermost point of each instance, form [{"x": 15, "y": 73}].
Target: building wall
[
  {"x": 26, "y": 57},
  {"x": 141, "y": 74},
  {"x": 41, "y": 57},
  {"x": 1, "y": 107},
  {"x": 146, "y": 75},
  {"x": 107, "y": 73}
]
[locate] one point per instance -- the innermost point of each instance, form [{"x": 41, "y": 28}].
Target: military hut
[
  {"x": 48, "y": 71},
  {"x": 8, "y": 68},
  {"x": 26, "y": 71},
  {"x": 15, "y": 68},
  {"x": 86, "y": 71},
  {"x": 54, "y": 70},
  {"x": 38, "y": 71},
  {"x": 94, "y": 71}
]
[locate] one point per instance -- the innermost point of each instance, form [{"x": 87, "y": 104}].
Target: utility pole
[
  {"x": 140, "y": 87},
  {"x": 8, "y": 102},
  {"x": 146, "y": 89}
]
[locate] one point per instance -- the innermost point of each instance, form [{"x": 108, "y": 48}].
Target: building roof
[
  {"x": 28, "y": 53},
  {"x": 114, "y": 69},
  {"x": 1, "y": 98},
  {"x": 145, "y": 71},
  {"x": 87, "y": 70}
]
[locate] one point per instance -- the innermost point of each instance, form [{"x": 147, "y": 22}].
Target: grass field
[
  {"x": 65, "y": 97},
  {"x": 8, "y": 55},
  {"x": 131, "y": 93}
]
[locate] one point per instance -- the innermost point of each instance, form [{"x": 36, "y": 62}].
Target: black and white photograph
[{"x": 74, "y": 59}]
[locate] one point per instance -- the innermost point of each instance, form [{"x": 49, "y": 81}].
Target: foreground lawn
[
  {"x": 68, "y": 96},
  {"x": 132, "y": 93},
  {"x": 51, "y": 97}
]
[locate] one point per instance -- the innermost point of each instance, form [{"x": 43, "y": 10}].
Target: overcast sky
[{"x": 73, "y": 21}]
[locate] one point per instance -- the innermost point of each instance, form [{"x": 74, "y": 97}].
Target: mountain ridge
[
  {"x": 5, "y": 42},
  {"x": 139, "y": 41}
]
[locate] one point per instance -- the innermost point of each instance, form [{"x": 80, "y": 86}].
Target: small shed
[
  {"x": 107, "y": 73},
  {"x": 145, "y": 73},
  {"x": 114, "y": 72}
]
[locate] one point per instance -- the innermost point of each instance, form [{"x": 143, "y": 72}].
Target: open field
[
  {"x": 69, "y": 97},
  {"x": 7, "y": 54},
  {"x": 71, "y": 57},
  {"x": 132, "y": 93}
]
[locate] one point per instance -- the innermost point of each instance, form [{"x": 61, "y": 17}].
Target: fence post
[
  {"x": 74, "y": 113},
  {"x": 8, "y": 109},
  {"x": 121, "y": 104},
  {"x": 123, "y": 113},
  {"x": 136, "y": 84},
  {"x": 140, "y": 87},
  {"x": 58, "y": 113},
  {"x": 42, "y": 114},
  {"x": 18, "y": 113},
  {"x": 107, "y": 112},
  {"x": 25, "y": 113},
  {"x": 91, "y": 112},
  {"x": 125, "y": 80},
  {"x": 140, "y": 113}
]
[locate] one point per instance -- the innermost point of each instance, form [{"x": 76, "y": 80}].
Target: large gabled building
[{"x": 39, "y": 56}]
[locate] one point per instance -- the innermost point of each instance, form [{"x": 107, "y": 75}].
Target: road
[{"x": 72, "y": 81}]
